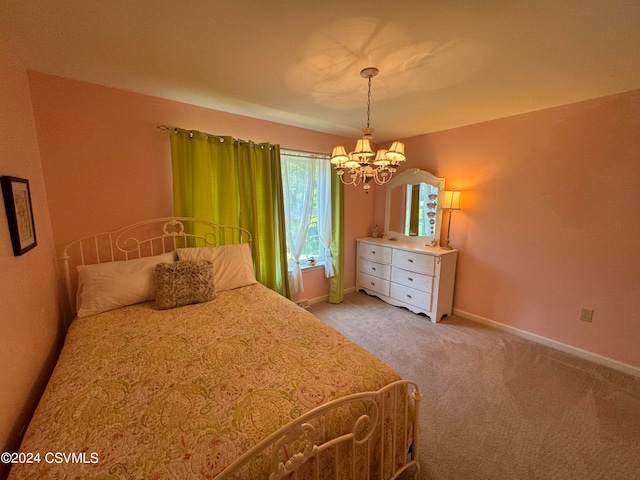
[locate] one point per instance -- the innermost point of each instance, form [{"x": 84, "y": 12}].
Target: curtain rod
[
  {"x": 303, "y": 154},
  {"x": 190, "y": 132},
  {"x": 285, "y": 151},
  {"x": 210, "y": 135}
]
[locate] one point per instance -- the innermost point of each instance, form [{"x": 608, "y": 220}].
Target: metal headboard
[{"x": 145, "y": 239}]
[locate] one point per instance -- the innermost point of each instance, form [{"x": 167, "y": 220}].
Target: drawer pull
[
  {"x": 410, "y": 260},
  {"x": 410, "y": 279},
  {"x": 373, "y": 268},
  {"x": 408, "y": 296},
  {"x": 373, "y": 284},
  {"x": 373, "y": 252}
]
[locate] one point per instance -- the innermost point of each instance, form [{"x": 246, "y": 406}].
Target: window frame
[{"x": 319, "y": 259}]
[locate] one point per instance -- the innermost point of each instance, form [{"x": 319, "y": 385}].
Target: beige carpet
[{"x": 497, "y": 406}]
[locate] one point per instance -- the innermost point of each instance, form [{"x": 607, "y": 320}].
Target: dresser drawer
[
  {"x": 415, "y": 280},
  {"x": 411, "y": 295},
  {"x": 380, "y": 270},
  {"x": 377, "y": 253},
  {"x": 417, "y": 262},
  {"x": 375, "y": 284}
]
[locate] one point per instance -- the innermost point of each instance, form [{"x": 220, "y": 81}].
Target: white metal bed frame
[
  {"x": 144, "y": 239},
  {"x": 297, "y": 441}
]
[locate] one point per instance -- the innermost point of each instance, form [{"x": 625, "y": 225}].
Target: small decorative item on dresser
[
  {"x": 17, "y": 202},
  {"x": 374, "y": 231}
]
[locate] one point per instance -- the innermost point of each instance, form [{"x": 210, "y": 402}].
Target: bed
[{"x": 180, "y": 365}]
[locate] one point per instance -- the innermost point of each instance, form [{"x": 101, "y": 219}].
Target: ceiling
[{"x": 442, "y": 64}]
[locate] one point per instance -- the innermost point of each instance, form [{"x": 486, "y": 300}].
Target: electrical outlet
[{"x": 586, "y": 315}]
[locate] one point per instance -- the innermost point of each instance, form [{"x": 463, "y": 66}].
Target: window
[{"x": 306, "y": 184}]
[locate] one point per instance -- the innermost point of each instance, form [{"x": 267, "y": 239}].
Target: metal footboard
[{"x": 369, "y": 435}]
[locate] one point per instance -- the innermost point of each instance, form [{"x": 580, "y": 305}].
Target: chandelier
[{"x": 363, "y": 164}]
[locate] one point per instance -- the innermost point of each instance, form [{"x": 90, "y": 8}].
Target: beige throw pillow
[{"x": 232, "y": 264}]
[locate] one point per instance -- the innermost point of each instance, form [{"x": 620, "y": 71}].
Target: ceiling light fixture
[{"x": 363, "y": 164}]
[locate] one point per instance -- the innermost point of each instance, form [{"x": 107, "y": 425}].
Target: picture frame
[{"x": 17, "y": 203}]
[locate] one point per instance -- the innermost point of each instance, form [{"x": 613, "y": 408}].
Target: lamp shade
[
  {"x": 381, "y": 158},
  {"x": 363, "y": 148},
  {"x": 352, "y": 163},
  {"x": 339, "y": 155},
  {"x": 451, "y": 200},
  {"x": 396, "y": 152}
]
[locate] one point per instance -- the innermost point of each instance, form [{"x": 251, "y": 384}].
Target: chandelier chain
[{"x": 369, "y": 102}]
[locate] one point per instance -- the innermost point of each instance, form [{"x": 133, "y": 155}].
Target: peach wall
[
  {"x": 107, "y": 165},
  {"x": 550, "y": 220},
  {"x": 29, "y": 319},
  {"x": 540, "y": 207}
]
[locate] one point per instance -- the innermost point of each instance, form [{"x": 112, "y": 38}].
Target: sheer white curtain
[
  {"x": 298, "y": 201},
  {"x": 324, "y": 213}
]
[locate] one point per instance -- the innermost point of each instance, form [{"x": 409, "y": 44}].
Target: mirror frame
[{"x": 414, "y": 176}]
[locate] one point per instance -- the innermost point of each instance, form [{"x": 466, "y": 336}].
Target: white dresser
[{"x": 408, "y": 275}]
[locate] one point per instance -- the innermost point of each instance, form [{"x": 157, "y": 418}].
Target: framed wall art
[{"x": 17, "y": 202}]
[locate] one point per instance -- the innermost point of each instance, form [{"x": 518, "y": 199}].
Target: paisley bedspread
[{"x": 144, "y": 393}]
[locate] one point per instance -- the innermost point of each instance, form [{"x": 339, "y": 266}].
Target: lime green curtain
[
  {"x": 336, "y": 283},
  {"x": 415, "y": 210},
  {"x": 262, "y": 212},
  {"x": 233, "y": 182}
]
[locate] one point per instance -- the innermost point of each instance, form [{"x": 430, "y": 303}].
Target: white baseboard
[
  {"x": 578, "y": 352},
  {"x": 325, "y": 298}
]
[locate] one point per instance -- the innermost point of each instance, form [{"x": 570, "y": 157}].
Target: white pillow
[
  {"x": 105, "y": 286},
  {"x": 232, "y": 264}
]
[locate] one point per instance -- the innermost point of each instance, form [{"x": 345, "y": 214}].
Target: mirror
[{"x": 414, "y": 207}]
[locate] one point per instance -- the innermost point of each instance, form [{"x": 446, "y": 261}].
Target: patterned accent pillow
[{"x": 184, "y": 283}]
